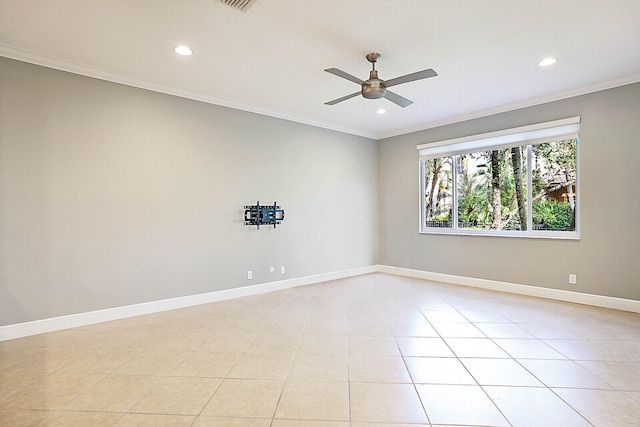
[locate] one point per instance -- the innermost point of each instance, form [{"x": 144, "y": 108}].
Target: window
[{"x": 516, "y": 182}]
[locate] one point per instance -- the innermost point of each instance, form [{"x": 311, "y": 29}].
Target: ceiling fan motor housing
[{"x": 374, "y": 88}]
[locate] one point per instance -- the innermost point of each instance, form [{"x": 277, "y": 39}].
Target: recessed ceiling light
[
  {"x": 547, "y": 61},
  {"x": 183, "y": 50},
  {"x": 381, "y": 111}
]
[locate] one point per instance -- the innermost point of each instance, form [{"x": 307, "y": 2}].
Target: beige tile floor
[{"x": 369, "y": 351}]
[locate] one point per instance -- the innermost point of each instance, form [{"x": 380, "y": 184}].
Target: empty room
[{"x": 271, "y": 213}]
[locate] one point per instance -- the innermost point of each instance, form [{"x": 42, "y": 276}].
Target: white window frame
[{"x": 538, "y": 133}]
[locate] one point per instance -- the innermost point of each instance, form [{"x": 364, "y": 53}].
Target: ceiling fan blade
[
  {"x": 411, "y": 77},
  {"x": 397, "y": 99},
  {"x": 344, "y": 75},
  {"x": 344, "y": 98}
]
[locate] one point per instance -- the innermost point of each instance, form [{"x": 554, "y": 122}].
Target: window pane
[
  {"x": 492, "y": 192},
  {"x": 438, "y": 192},
  {"x": 473, "y": 195},
  {"x": 554, "y": 185}
]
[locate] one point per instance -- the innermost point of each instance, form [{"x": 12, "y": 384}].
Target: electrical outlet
[
  {"x": 572, "y": 279},
  {"x": 282, "y": 270},
  {"x": 249, "y": 275}
]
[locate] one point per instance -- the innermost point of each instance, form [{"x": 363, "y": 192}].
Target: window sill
[{"x": 557, "y": 235}]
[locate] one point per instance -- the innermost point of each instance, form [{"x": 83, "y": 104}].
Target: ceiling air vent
[{"x": 242, "y": 5}]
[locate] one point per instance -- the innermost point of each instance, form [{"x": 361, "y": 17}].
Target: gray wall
[
  {"x": 606, "y": 258},
  {"x": 111, "y": 195}
]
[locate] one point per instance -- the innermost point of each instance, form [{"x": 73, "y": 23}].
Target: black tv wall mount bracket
[{"x": 263, "y": 215}]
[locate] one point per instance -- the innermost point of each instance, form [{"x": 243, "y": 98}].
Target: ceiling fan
[{"x": 376, "y": 88}]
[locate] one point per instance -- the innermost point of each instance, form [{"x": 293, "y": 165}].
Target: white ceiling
[{"x": 270, "y": 59}]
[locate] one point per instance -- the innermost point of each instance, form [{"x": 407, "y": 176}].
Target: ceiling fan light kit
[{"x": 376, "y": 88}]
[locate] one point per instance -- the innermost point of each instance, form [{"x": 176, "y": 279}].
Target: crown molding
[
  {"x": 110, "y": 76},
  {"x": 584, "y": 90}
]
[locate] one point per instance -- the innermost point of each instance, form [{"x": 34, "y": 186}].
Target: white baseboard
[
  {"x": 81, "y": 319},
  {"x": 36, "y": 327},
  {"x": 514, "y": 288}
]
